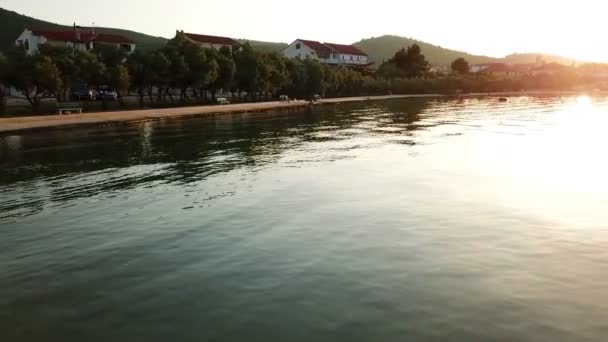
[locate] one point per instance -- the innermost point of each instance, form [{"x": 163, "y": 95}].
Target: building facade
[
  {"x": 31, "y": 40},
  {"x": 327, "y": 53}
]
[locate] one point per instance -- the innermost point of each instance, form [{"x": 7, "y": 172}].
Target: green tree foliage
[
  {"x": 313, "y": 81},
  {"x": 416, "y": 64},
  {"x": 139, "y": 65},
  {"x": 406, "y": 63},
  {"x": 120, "y": 80},
  {"x": 109, "y": 55},
  {"x": 3, "y": 72},
  {"x": 247, "y": 75},
  {"x": 32, "y": 76},
  {"x": 460, "y": 66},
  {"x": 3, "y": 66},
  {"x": 47, "y": 76},
  {"x": 191, "y": 67},
  {"x": 226, "y": 69},
  {"x": 90, "y": 70}
]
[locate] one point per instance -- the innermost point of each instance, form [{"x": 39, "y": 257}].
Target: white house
[
  {"x": 476, "y": 68},
  {"x": 327, "y": 53},
  {"x": 347, "y": 54},
  {"x": 210, "y": 42},
  {"x": 31, "y": 40}
]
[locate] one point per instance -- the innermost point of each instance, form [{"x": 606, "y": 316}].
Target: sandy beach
[{"x": 102, "y": 118}]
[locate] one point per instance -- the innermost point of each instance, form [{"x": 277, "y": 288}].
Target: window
[
  {"x": 298, "y": 46},
  {"x": 351, "y": 58},
  {"x": 27, "y": 45}
]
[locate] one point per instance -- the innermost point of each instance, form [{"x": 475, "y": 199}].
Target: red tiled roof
[
  {"x": 318, "y": 47},
  {"x": 68, "y": 36},
  {"x": 346, "y": 49},
  {"x": 205, "y": 39}
]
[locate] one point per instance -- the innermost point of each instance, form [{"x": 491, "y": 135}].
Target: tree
[
  {"x": 3, "y": 72},
  {"x": 278, "y": 75},
  {"x": 139, "y": 65},
  {"x": 225, "y": 72},
  {"x": 409, "y": 63},
  {"x": 204, "y": 70},
  {"x": 47, "y": 76},
  {"x": 417, "y": 64},
  {"x": 120, "y": 81},
  {"x": 160, "y": 74},
  {"x": 460, "y": 66},
  {"x": 32, "y": 76},
  {"x": 389, "y": 70},
  {"x": 63, "y": 58},
  {"x": 90, "y": 69},
  {"x": 109, "y": 55},
  {"x": 296, "y": 78},
  {"x": 191, "y": 66},
  {"x": 247, "y": 66},
  {"x": 313, "y": 83},
  {"x": 91, "y": 72}
]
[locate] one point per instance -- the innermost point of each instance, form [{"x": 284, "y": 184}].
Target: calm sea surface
[{"x": 404, "y": 220}]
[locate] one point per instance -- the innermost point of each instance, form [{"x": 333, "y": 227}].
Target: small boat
[{"x": 503, "y": 99}]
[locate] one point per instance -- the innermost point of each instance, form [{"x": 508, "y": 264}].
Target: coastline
[{"x": 29, "y": 123}]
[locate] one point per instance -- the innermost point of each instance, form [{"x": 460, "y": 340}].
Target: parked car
[{"x": 106, "y": 94}]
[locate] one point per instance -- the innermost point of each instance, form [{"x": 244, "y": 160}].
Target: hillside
[
  {"x": 12, "y": 24},
  {"x": 523, "y": 58},
  {"x": 265, "y": 46},
  {"x": 382, "y": 48},
  {"x": 379, "y": 48}
]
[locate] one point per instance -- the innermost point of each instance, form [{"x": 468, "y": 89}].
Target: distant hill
[
  {"x": 383, "y": 48},
  {"x": 12, "y": 24},
  {"x": 525, "y": 58},
  {"x": 265, "y": 46}
]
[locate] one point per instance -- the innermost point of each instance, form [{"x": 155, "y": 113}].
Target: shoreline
[{"x": 32, "y": 123}]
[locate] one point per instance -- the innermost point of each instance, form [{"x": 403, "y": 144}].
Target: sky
[{"x": 494, "y": 28}]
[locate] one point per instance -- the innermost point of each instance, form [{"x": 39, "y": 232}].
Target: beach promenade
[{"x": 102, "y": 118}]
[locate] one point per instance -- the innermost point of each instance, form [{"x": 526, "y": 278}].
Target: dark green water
[{"x": 407, "y": 220}]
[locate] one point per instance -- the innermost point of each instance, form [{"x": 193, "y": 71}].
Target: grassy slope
[
  {"x": 382, "y": 48},
  {"x": 265, "y": 46}
]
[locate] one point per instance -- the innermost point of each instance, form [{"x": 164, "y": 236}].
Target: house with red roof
[
  {"x": 82, "y": 40},
  {"x": 210, "y": 42},
  {"x": 327, "y": 53}
]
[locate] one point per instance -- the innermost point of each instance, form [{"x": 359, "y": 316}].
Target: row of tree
[{"x": 179, "y": 72}]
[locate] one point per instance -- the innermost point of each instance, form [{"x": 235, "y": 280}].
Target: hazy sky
[{"x": 496, "y": 28}]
